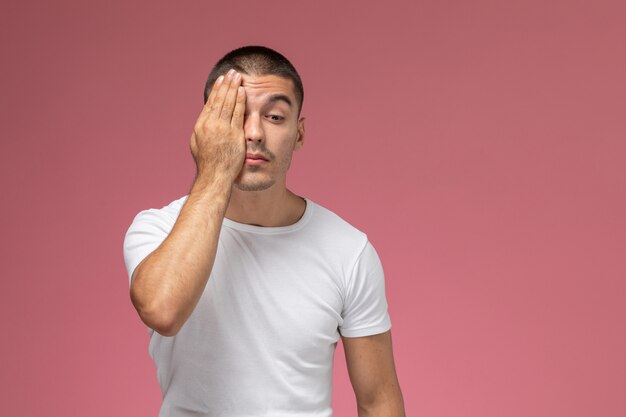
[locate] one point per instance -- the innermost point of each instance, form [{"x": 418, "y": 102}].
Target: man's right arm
[{"x": 168, "y": 283}]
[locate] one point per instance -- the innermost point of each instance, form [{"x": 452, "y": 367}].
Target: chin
[{"x": 253, "y": 185}]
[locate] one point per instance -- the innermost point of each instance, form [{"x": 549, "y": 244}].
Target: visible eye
[{"x": 275, "y": 118}]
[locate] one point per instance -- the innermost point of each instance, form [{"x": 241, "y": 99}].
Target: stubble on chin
[{"x": 252, "y": 184}]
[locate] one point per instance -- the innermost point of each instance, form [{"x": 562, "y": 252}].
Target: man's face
[{"x": 271, "y": 129}]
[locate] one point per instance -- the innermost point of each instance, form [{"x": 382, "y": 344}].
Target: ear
[{"x": 300, "y": 138}]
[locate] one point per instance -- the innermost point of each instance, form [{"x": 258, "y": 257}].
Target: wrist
[{"x": 211, "y": 184}]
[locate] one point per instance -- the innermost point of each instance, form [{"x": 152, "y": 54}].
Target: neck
[{"x": 273, "y": 207}]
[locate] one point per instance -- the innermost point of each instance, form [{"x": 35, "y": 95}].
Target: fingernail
[{"x": 220, "y": 79}]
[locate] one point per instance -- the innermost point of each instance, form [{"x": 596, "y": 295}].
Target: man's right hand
[{"x": 217, "y": 143}]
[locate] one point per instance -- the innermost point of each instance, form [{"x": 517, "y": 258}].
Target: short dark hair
[{"x": 256, "y": 60}]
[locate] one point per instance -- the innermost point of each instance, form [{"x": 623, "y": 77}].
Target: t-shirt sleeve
[
  {"x": 365, "y": 305},
  {"x": 147, "y": 231}
]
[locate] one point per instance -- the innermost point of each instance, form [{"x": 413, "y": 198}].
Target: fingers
[
  {"x": 218, "y": 101},
  {"x": 230, "y": 97},
  {"x": 222, "y": 93},
  {"x": 207, "y": 106},
  {"x": 240, "y": 108},
  {"x": 222, "y": 99}
]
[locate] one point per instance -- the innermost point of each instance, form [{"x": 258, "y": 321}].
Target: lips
[{"x": 255, "y": 156}]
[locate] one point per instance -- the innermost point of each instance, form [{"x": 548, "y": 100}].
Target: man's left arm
[{"x": 373, "y": 375}]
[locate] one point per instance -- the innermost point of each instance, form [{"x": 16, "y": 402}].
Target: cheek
[
  {"x": 284, "y": 151},
  {"x": 282, "y": 135}
]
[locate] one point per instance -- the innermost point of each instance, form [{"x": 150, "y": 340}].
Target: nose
[{"x": 253, "y": 129}]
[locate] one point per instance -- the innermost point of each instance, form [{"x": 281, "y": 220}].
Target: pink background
[{"x": 480, "y": 144}]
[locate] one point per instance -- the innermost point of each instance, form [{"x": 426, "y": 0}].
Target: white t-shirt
[{"x": 261, "y": 340}]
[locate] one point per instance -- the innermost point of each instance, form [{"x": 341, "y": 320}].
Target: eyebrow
[{"x": 279, "y": 97}]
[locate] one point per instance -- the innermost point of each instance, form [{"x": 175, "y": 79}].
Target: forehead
[{"x": 260, "y": 87}]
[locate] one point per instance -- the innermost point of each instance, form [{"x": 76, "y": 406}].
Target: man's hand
[{"x": 218, "y": 144}]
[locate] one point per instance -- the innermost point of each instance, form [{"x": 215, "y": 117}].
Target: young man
[{"x": 245, "y": 286}]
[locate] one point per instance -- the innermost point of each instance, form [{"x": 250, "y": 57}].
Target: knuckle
[{"x": 222, "y": 129}]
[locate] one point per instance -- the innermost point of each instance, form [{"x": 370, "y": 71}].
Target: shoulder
[
  {"x": 166, "y": 214},
  {"x": 146, "y": 232},
  {"x": 338, "y": 234},
  {"x": 332, "y": 222}
]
